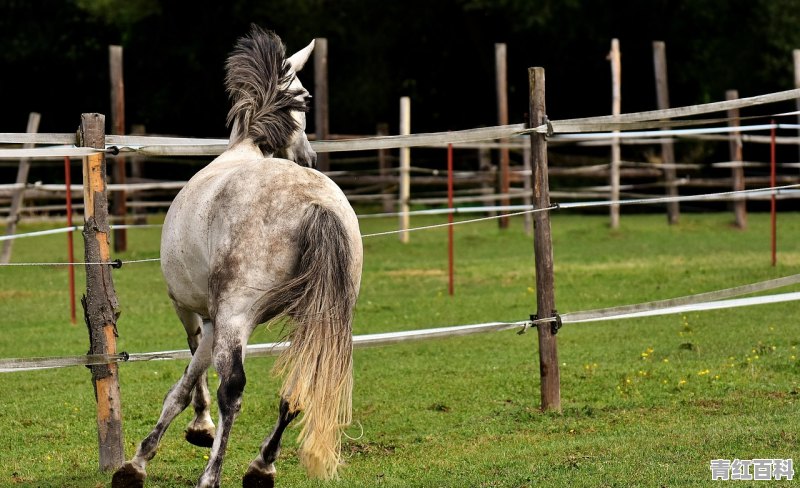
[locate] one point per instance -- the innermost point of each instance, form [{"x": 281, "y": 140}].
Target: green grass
[{"x": 646, "y": 402}]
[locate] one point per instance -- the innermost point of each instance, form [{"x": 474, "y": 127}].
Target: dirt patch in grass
[
  {"x": 369, "y": 448},
  {"x": 14, "y": 294}
]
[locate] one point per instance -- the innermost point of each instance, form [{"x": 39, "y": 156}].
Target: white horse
[{"x": 254, "y": 238}]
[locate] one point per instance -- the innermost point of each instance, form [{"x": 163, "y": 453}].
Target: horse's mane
[{"x": 257, "y": 79}]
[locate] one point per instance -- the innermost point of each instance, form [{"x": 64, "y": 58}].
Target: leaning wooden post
[
  {"x": 616, "y": 108},
  {"x": 118, "y": 127},
  {"x": 19, "y": 194},
  {"x": 502, "y": 119},
  {"x": 543, "y": 249},
  {"x": 667, "y": 149},
  {"x": 737, "y": 164},
  {"x": 405, "y": 168},
  {"x": 321, "y": 117},
  {"x": 100, "y": 305}
]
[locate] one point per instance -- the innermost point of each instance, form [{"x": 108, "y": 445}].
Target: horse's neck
[{"x": 245, "y": 150}]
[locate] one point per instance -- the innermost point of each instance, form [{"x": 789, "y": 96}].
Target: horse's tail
[
  {"x": 257, "y": 79},
  {"x": 318, "y": 364}
]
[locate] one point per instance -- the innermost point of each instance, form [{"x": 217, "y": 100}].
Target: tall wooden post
[
  {"x": 616, "y": 108},
  {"x": 405, "y": 168},
  {"x": 502, "y": 119},
  {"x": 100, "y": 305},
  {"x": 118, "y": 127},
  {"x": 543, "y": 248},
  {"x": 321, "y": 121},
  {"x": 737, "y": 168},
  {"x": 667, "y": 149},
  {"x": 17, "y": 198}
]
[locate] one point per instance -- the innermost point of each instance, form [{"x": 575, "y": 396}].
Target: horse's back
[{"x": 230, "y": 234}]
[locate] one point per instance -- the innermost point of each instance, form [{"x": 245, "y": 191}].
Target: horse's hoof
[
  {"x": 128, "y": 476},
  {"x": 255, "y": 478},
  {"x": 200, "y": 437}
]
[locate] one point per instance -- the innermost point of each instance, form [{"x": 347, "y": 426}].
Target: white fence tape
[
  {"x": 381, "y": 339},
  {"x": 162, "y": 146},
  {"x": 256, "y": 350},
  {"x": 696, "y": 307}
]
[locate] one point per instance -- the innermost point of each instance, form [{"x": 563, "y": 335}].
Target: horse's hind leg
[
  {"x": 230, "y": 337},
  {"x": 200, "y": 430},
  {"x": 261, "y": 472},
  {"x": 132, "y": 473}
]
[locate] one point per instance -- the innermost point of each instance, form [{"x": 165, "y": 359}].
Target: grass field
[{"x": 646, "y": 402}]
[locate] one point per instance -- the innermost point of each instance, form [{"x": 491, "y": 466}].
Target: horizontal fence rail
[
  {"x": 164, "y": 146},
  {"x": 714, "y": 300}
]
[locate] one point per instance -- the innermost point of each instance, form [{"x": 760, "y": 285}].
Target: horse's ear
[{"x": 298, "y": 59}]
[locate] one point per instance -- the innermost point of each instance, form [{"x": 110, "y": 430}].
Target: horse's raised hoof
[
  {"x": 128, "y": 476},
  {"x": 256, "y": 478},
  {"x": 200, "y": 437}
]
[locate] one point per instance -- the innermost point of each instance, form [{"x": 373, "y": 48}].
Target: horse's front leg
[
  {"x": 261, "y": 472},
  {"x": 229, "y": 363}
]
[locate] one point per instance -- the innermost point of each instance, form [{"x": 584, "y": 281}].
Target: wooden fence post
[
  {"x": 321, "y": 116},
  {"x": 502, "y": 119},
  {"x": 616, "y": 108},
  {"x": 118, "y": 127},
  {"x": 667, "y": 149},
  {"x": 100, "y": 305},
  {"x": 543, "y": 249},
  {"x": 405, "y": 168},
  {"x": 16, "y": 199},
  {"x": 737, "y": 167}
]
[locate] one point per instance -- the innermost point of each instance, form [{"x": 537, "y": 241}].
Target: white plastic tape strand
[
  {"x": 696, "y": 307},
  {"x": 700, "y": 298}
]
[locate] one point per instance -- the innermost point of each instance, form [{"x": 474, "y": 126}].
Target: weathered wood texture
[
  {"x": 667, "y": 149},
  {"x": 543, "y": 248},
  {"x": 17, "y": 197},
  {"x": 737, "y": 172},
  {"x": 118, "y": 128},
  {"x": 100, "y": 305},
  {"x": 616, "y": 108},
  {"x": 501, "y": 75},
  {"x": 321, "y": 105},
  {"x": 405, "y": 168}
]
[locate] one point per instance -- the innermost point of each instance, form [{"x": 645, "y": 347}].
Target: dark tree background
[{"x": 54, "y": 56}]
